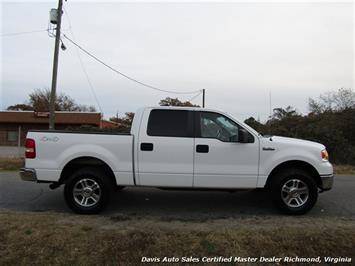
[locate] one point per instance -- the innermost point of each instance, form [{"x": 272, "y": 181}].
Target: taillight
[{"x": 30, "y": 146}]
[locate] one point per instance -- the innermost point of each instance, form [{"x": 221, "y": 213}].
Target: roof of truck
[{"x": 191, "y": 108}]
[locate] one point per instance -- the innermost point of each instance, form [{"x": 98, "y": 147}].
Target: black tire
[
  {"x": 93, "y": 178},
  {"x": 299, "y": 201}
]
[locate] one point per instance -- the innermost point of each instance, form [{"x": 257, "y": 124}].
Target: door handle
[
  {"x": 202, "y": 148},
  {"x": 146, "y": 146},
  {"x": 268, "y": 149}
]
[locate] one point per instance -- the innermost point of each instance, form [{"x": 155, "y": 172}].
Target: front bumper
[
  {"x": 327, "y": 182},
  {"x": 28, "y": 174}
]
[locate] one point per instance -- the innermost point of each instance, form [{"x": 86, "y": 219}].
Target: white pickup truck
[{"x": 178, "y": 147}]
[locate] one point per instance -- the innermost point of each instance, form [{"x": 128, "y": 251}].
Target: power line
[
  {"x": 21, "y": 33},
  {"x": 126, "y": 76},
  {"x": 194, "y": 97},
  {"x": 82, "y": 65}
]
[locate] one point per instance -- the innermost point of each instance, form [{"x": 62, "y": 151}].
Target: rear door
[
  {"x": 220, "y": 160},
  {"x": 165, "y": 148}
]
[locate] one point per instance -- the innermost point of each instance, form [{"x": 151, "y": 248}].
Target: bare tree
[
  {"x": 333, "y": 101},
  {"x": 175, "y": 102},
  {"x": 20, "y": 107},
  {"x": 39, "y": 101}
]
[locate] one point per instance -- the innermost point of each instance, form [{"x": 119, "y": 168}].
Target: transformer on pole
[{"x": 55, "y": 18}]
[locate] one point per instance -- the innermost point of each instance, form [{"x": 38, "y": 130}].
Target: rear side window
[{"x": 170, "y": 123}]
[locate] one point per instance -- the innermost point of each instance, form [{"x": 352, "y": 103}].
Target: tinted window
[{"x": 170, "y": 123}]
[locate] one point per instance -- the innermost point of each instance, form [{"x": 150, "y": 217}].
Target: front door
[
  {"x": 165, "y": 149},
  {"x": 220, "y": 160}
]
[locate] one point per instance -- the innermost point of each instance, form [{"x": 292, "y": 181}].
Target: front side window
[
  {"x": 170, "y": 123},
  {"x": 213, "y": 125}
]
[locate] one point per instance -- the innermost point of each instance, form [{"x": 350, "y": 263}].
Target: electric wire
[
  {"x": 21, "y": 33},
  {"x": 82, "y": 65},
  {"x": 126, "y": 76},
  {"x": 194, "y": 97}
]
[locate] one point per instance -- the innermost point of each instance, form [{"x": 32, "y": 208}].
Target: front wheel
[
  {"x": 294, "y": 191},
  {"x": 87, "y": 191}
]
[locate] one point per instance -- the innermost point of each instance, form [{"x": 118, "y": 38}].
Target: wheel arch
[
  {"x": 86, "y": 161},
  {"x": 299, "y": 164}
]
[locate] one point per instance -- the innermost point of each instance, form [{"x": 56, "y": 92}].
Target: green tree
[
  {"x": 255, "y": 124},
  {"x": 281, "y": 113}
]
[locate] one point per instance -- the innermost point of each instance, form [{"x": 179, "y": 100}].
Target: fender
[
  {"x": 269, "y": 163},
  {"x": 86, "y": 150}
]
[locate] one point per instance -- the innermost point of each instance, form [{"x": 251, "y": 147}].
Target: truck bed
[{"x": 56, "y": 148}]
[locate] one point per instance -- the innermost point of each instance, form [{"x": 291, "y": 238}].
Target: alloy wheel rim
[
  {"x": 295, "y": 193},
  {"x": 86, "y": 192}
]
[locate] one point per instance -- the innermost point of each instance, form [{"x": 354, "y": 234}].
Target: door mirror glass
[
  {"x": 244, "y": 136},
  {"x": 234, "y": 138}
]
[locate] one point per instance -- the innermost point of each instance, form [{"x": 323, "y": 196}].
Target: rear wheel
[
  {"x": 294, "y": 191},
  {"x": 87, "y": 191}
]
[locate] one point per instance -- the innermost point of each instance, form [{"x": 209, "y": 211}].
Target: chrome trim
[
  {"x": 327, "y": 181},
  {"x": 28, "y": 174}
]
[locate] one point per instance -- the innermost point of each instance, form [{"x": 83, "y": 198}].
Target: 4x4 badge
[{"x": 53, "y": 139}]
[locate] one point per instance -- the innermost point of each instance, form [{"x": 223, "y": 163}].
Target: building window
[{"x": 12, "y": 136}]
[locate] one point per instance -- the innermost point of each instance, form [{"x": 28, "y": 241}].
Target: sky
[{"x": 240, "y": 52}]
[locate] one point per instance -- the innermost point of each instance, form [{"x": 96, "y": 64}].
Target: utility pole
[
  {"x": 203, "y": 98},
  {"x": 55, "y": 66},
  {"x": 270, "y": 108}
]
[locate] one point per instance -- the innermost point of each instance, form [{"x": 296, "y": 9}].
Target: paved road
[{"x": 16, "y": 194}]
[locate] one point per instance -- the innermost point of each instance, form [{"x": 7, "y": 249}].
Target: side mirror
[{"x": 244, "y": 136}]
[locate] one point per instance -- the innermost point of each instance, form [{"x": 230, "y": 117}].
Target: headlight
[{"x": 324, "y": 154}]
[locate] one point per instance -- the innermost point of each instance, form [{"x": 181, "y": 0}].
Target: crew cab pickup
[{"x": 178, "y": 147}]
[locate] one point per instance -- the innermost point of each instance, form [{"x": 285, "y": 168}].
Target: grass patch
[
  {"x": 344, "y": 169},
  {"x": 11, "y": 164},
  {"x": 207, "y": 246},
  {"x": 64, "y": 239}
]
